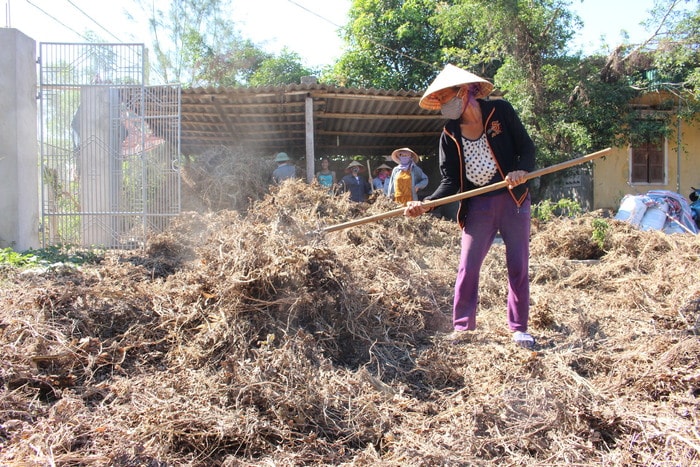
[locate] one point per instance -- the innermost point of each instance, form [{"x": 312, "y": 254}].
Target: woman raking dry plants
[{"x": 484, "y": 142}]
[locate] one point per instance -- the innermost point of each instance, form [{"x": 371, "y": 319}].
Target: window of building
[{"x": 648, "y": 162}]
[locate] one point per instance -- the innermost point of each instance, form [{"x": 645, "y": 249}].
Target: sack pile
[{"x": 658, "y": 210}]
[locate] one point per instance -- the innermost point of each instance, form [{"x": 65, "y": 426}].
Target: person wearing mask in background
[
  {"x": 484, "y": 142},
  {"x": 285, "y": 168},
  {"x": 381, "y": 178},
  {"x": 406, "y": 178},
  {"x": 326, "y": 177},
  {"x": 357, "y": 186}
]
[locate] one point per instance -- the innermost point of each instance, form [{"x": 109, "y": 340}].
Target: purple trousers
[{"x": 486, "y": 216}]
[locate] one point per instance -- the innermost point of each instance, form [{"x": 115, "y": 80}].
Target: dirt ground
[{"x": 261, "y": 340}]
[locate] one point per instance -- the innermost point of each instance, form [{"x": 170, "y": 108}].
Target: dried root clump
[{"x": 252, "y": 337}]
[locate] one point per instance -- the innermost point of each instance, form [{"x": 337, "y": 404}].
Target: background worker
[
  {"x": 358, "y": 187},
  {"x": 285, "y": 168},
  {"x": 326, "y": 176},
  {"x": 381, "y": 178},
  {"x": 406, "y": 178}
]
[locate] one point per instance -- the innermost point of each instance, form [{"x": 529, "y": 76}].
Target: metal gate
[{"x": 109, "y": 147}]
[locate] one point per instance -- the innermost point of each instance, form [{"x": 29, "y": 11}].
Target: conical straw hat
[
  {"x": 449, "y": 77},
  {"x": 355, "y": 164},
  {"x": 281, "y": 157},
  {"x": 383, "y": 166},
  {"x": 395, "y": 154}
]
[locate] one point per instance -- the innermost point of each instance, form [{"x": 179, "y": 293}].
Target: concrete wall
[
  {"x": 19, "y": 150},
  {"x": 578, "y": 187}
]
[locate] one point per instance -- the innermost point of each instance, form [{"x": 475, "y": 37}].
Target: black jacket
[{"x": 509, "y": 142}]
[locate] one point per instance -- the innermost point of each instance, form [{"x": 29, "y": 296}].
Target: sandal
[{"x": 524, "y": 340}]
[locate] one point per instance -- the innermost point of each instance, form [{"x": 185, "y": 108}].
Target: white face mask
[{"x": 453, "y": 108}]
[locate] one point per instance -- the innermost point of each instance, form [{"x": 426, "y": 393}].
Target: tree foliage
[
  {"x": 183, "y": 37},
  {"x": 675, "y": 47},
  {"x": 570, "y": 104},
  {"x": 666, "y": 64},
  {"x": 521, "y": 46},
  {"x": 391, "y": 45},
  {"x": 196, "y": 45},
  {"x": 283, "y": 69}
]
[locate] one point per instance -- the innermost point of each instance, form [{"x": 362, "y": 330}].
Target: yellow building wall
[{"x": 611, "y": 173}]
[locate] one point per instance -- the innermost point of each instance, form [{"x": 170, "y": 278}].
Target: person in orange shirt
[{"x": 406, "y": 178}]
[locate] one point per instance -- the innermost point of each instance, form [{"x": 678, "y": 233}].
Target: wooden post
[{"x": 310, "y": 151}]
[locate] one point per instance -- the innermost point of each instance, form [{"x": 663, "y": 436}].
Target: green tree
[
  {"x": 233, "y": 65},
  {"x": 391, "y": 44},
  {"x": 666, "y": 61},
  {"x": 570, "y": 104},
  {"x": 674, "y": 48},
  {"x": 182, "y": 37},
  {"x": 280, "y": 70},
  {"x": 514, "y": 42},
  {"x": 196, "y": 45}
]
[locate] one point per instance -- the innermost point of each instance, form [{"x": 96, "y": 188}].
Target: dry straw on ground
[{"x": 249, "y": 340}]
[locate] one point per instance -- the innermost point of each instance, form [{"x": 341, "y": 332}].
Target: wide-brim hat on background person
[
  {"x": 395, "y": 155},
  {"x": 281, "y": 157},
  {"x": 449, "y": 77},
  {"x": 354, "y": 164},
  {"x": 383, "y": 166}
]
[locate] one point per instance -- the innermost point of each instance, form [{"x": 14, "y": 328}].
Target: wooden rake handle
[{"x": 468, "y": 194}]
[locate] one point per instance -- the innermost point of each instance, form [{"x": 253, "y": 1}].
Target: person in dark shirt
[
  {"x": 484, "y": 142},
  {"x": 358, "y": 186},
  {"x": 285, "y": 168}
]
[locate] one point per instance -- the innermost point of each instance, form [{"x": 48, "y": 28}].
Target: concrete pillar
[
  {"x": 19, "y": 150},
  {"x": 97, "y": 158}
]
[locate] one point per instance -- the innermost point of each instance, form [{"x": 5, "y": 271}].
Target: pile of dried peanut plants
[{"x": 249, "y": 340}]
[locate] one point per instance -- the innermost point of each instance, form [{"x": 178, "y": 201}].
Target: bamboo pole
[{"x": 469, "y": 194}]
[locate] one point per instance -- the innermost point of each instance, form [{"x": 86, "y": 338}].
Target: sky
[{"x": 307, "y": 27}]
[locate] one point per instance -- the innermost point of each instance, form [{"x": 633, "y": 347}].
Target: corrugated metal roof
[{"x": 346, "y": 121}]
